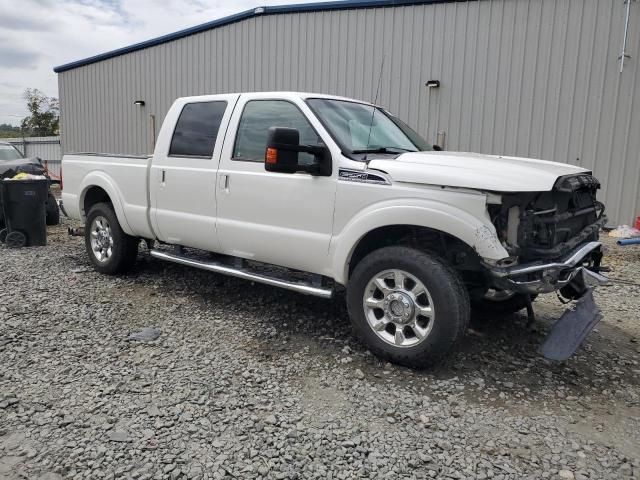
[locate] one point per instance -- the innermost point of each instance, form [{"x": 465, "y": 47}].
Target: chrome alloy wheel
[
  {"x": 398, "y": 308},
  {"x": 101, "y": 239}
]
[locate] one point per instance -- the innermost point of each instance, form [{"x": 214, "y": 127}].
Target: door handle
[
  {"x": 163, "y": 175},
  {"x": 224, "y": 182}
]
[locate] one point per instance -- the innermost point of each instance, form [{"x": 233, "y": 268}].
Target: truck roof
[{"x": 284, "y": 94}]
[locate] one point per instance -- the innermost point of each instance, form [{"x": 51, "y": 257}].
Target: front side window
[
  {"x": 260, "y": 115},
  {"x": 9, "y": 152},
  {"x": 360, "y": 128},
  {"x": 197, "y": 129}
]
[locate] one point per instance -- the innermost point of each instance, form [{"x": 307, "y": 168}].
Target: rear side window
[{"x": 197, "y": 129}]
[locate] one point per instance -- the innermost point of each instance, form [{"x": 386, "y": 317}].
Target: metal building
[{"x": 552, "y": 79}]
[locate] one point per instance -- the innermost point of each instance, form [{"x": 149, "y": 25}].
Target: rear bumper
[{"x": 545, "y": 277}]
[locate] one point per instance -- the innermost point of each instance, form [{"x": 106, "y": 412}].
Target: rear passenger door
[{"x": 183, "y": 173}]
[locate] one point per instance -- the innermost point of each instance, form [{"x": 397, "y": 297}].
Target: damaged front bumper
[
  {"x": 576, "y": 272},
  {"x": 574, "y": 276}
]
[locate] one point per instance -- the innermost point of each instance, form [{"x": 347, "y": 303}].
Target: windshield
[
  {"x": 361, "y": 129},
  {"x": 9, "y": 152}
]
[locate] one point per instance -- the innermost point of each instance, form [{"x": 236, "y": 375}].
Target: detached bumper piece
[
  {"x": 571, "y": 329},
  {"x": 573, "y": 274}
]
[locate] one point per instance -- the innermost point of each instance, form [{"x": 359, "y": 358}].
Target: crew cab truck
[{"x": 328, "y": 192}]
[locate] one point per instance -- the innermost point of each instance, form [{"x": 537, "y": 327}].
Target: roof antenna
[{"x": 375, "y": 102}]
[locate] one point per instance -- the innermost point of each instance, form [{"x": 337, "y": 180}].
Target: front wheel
[
  {"x": 407, "y": 306},
  {"x": 110, "y": 250}
]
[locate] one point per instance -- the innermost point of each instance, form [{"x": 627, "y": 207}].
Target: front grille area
[{"x": 549, "y": 224}]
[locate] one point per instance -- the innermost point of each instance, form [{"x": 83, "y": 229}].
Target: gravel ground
[{"x": 247, "y": 381}]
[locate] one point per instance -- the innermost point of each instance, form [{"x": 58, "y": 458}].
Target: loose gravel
[{"x": 247, "y": 381}]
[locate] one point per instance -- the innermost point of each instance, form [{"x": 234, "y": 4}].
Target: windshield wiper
[{"x": 383, "y": 150}]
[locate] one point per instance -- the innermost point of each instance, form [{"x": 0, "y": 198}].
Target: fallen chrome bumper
[{"x": 533, "y": 278}]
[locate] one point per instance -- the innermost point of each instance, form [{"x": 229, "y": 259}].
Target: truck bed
[{"x": 126, "y": 176}]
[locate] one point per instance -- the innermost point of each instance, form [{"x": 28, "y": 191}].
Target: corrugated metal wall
[
  {"x": 47, "y": 148},
  {"x": 536, "y": 78}
]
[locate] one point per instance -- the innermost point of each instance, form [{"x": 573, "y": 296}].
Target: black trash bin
[{"x": 24, "y": 207}]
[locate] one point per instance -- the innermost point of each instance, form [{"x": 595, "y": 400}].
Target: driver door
[{"x": 278, "y": 218}]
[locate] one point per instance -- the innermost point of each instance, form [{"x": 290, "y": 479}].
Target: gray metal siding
[
  {"x": 536, "y": 78},
  {"x": 46, "y": 148}
]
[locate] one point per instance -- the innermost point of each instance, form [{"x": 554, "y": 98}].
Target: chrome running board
[{"x": 243, "y": 273}]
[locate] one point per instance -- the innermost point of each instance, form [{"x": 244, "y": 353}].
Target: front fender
[
  {"x": 102, "y": 180},
  {"x": 478, "y": 233}
]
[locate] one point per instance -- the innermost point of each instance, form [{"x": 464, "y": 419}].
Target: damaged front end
[
  {"x": 571, "y": 275},
  {"x": 551, "y": 238}
]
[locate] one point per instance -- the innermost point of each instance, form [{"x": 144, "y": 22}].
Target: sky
[{"x": 37, "y": 35}]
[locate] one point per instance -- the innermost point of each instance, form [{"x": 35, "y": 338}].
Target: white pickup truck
[{"x": 340, "y": 193}]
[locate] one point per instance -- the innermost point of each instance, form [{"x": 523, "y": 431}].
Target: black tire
[
  {"x": 3, "y": 235},
  {"x": 124, "y": 248},
  {"x": 53, "y": 211},
  {"x": 448, "y": 293},
  {"x": 512, "y": 304}
]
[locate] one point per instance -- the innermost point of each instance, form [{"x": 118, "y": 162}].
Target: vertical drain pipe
[
  {"x": 152, "y": 128},
  {"x": 624, "y": 55}
]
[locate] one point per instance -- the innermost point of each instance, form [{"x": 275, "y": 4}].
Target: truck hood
[{"x": 476, "y": 171}]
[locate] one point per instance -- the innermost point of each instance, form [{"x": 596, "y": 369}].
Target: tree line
[{"x": 43, "y": 119}]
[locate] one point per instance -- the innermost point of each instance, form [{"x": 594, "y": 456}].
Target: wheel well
[
  {"x": 459, "y": 254},
  {"x": 92, "y": 196}
]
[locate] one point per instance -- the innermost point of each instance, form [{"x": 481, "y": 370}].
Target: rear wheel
[
  {"x": 500, "y": 302},
  {"x": 110, "y": 250},
  {"x": 407, "y": 306}
]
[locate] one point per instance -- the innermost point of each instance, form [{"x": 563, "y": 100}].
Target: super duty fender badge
[{"x": 360, "y": 176}]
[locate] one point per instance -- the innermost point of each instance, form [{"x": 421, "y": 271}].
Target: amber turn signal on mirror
[{"x": 272, "y": 156}]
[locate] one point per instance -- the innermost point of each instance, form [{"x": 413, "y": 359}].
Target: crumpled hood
[{"x": 476, "y": 171}]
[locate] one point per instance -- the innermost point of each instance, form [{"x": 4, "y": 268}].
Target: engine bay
[{"x": 546, "y": 225}]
